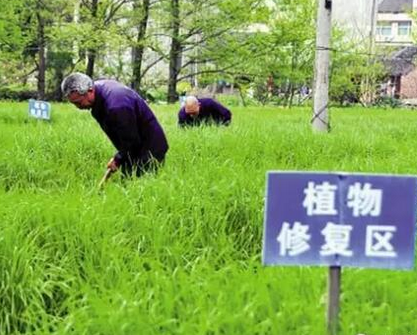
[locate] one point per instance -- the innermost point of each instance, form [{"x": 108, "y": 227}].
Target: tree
[
  {"x": 195, "y": 27},
  {"x": 37, "y": 18},
  {"x": 12, "y": 41},
  {"x": 97, "y": 28},
  {"x": 41, "y": 43},
  {"x": 277, "y": 55},
  {"x": 141, "y": 8}
]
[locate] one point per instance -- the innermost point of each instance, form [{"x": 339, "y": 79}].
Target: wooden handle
[{"x": 105, "y": 177}]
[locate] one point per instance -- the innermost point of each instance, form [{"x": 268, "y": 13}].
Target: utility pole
[
  {"x": 368, "y": 94},
  {"x": 320, "y": 121}
]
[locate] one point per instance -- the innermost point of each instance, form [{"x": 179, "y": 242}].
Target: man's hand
[{"x": 112, "y": 165}]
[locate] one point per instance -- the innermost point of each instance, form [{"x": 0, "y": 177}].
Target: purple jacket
[
  {"x": 210, "y": 111},
  {"x": 128, "y": 122}
]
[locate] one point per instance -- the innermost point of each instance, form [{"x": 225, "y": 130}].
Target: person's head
[
  {"x": 192, "y": 105},
  {"x": 79, "y": 89}
]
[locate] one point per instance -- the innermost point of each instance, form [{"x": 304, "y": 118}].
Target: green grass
[{"x": 179, "y": 252}]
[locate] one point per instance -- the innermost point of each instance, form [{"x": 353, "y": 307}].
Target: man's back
[{"x": 127, "y": 120}]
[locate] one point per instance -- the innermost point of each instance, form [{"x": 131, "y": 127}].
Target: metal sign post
[{"x": 333, "y": 299}]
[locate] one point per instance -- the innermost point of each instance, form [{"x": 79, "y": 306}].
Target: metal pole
[
  {"x": 334, "y": 281},
  {"x": 320, "y": 121}
]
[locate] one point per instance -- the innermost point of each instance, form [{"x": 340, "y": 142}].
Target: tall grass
[{"x": 179, "y": 252}]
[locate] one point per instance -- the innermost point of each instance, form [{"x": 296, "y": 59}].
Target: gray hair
[
  {"x": 191, "y": 100},
  {"x": 76, "y": 82}
]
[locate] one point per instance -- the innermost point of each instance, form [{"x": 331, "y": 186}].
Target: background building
[{"x": 394, "y": 23}]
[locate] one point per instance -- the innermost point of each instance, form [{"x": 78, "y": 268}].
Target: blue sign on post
[
  {"x": 40, "y": 109},
  {"x": 340, "y": 219}
]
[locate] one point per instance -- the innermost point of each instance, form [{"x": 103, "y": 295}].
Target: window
[
  {"x": 404, "y": 28},
  {"x": 383, "y": 28}
]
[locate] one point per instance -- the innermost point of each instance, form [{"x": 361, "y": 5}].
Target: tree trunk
[
  {"x": 59, "y": 78},
  {"x": 175, "y": 53},
  {"x": 139, "y": 49},
  {"x": 292, "y": 80},
  {"x": 287, "y": 93},
  {"x": 291, "y": 100},
  {"x": 41, "y": 54},
  {"x": 92, "y": 53},
  {"x": 91, "y": 59}
]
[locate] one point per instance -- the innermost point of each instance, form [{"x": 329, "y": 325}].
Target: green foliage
[
  {"x": 12, "y": 40},
  {"x": 207, "y": 32},
  {"x": 183, "y": 87},
  {"x": 180, "y": 252},
  {"x": 388, "y": 102},
  {"x": 16, "y": 93},
  {"x": 352, "y": 67},
  {"x": 220, "y": 39},
  {"x": 157, "y": 94},
  {"x": 281, "y": 49},
  {"x": 235, "y": 100}
]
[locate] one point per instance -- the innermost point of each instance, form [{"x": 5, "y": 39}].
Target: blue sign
[
  {"x": 340, "y": 219},
  {"x": 40, "y": 109}
]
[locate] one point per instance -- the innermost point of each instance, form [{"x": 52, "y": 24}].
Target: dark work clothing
[
  {"x": 130, "y": 125},
  {"x": 139, "y": 167},
  {"x": 210, "y": 112}
]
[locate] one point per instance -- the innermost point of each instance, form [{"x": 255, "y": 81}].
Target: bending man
[
  {"x": 126, "y": 119},
  {"x": 203, "y": 111}
]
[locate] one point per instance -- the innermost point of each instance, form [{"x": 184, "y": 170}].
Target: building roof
[
  {"x": 401, "y": 62},
  {"x": 395, "y": 6}
]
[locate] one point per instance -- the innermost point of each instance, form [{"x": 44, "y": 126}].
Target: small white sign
[{"x": 40, "y": 109}]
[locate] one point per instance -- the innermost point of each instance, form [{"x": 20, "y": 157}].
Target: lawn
[{"x": 180, "y": 252}]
